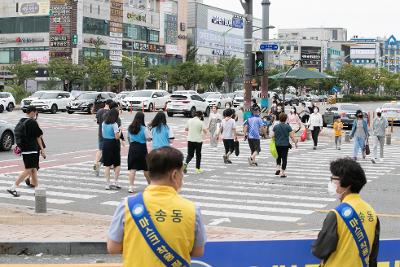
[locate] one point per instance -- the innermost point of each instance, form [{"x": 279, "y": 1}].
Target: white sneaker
[{"x": 130, "y": 189}]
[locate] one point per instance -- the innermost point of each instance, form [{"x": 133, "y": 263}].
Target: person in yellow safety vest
[
  {"x": 176, "y": 219},
  {"x": 337, "y": 244}
]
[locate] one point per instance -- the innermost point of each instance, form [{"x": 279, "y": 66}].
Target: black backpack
[{"x": 20, "y": 131}]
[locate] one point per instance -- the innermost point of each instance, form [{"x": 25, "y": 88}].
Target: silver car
[{"x": 7, "y": 136}]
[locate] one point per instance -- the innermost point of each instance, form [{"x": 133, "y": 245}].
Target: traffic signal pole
[
  {"x": 248, "y": 47},
  {"x": 265, "y": 36}
]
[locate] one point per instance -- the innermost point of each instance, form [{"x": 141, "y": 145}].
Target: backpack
[{"x": 20, "y": 131}]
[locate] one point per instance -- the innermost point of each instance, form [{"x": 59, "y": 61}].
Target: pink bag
[{"x": 17, "y": 151}]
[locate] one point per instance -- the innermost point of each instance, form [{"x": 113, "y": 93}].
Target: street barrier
[{"x": 279, "y": 253}]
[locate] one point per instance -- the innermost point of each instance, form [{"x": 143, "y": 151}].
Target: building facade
[
  {"x": 321, "y": 34},
  {"x": 391, "y": 55},
  {"x": 365, "y": 52}
]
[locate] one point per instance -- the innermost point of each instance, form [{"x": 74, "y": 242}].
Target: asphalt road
[{"x": 236, "y": 195}]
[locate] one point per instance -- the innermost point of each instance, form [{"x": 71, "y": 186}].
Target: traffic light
[
  {"x": 259, "y": 63},
  {"x": 74, "y": 39},
  {"x": 253, "y": 64}
]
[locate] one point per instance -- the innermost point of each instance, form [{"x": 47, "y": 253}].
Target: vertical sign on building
[
  {"x": 116, "y": 30},
  {"x": 61, "y": 27}
]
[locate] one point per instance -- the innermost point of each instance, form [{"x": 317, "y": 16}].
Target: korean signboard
[
  {"x": 311, "y": 57},
  {"x": 40, "y": 57},
  {"x": 37, "y": 8},
  {"x": 116, "y": 29},
  {"x": 143, "y": 47}
]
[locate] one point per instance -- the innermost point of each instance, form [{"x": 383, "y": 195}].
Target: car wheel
[
  {"x": 70, "y": 112},
  {"x": 207, "y": 112},
  {"x": 1, "y": 108},
  {"x": 170, "y": 114},
  {"x": 10, "y": 107},
  {"x": 150, "y": 107},
  {"x": 192, "y": 113},
  {"x": 7, "y": 141},
  {"x": 53, "y": 109}
]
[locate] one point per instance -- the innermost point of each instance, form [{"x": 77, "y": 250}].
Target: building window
[
  {"x": 95, "y": 26},
  {"x": 296, "y": 49},
  {"x": 154, "y": 36},
  {"x": 136, "y": 32},
  {"x": 25, "y": 24}
]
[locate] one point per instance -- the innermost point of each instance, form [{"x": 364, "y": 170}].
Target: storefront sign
[
  {"x": 116, "y": 29},
  {"x": 183, "y": 26},
  {"x": 182, "y": 36},
  {"x": 127, "y": 45},
  {"x": 39, "y": 8},
  {"x": 171, "y": 49},
  {"x": 235, "y": 22},
  {"x": 171, "y": 29},
  {"x": 311, "y": 57},
  {"x": 132, "y": 16},
  {"x": 94, "y": 41},
  {"x": 40, "y": 57},
  {"x": 215, "y": 40},
  {"x": 221, "y": 52}
]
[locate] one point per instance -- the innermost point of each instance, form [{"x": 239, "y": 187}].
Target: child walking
[{"x": 338, "y": 129}]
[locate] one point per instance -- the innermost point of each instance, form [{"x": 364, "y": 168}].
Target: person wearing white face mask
[
  {"x": 350, "y": 232},
  {"x": 378, "y": 130},
  {"x": 315, "y": 124}
]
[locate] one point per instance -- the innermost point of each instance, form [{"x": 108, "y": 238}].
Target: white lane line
[
  {"x": 9, "y": 166},
  {"x": 54, "y": 193},
  {"x": 30, "y": 198}
]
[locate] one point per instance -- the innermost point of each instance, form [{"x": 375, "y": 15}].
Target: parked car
[
  {"x": 7, "y": 101},
  {"x": 185, "y": 92},
  {"x": 76, "y": 93},
  {"x": 88, "y": 102},
  {"x": 52, "y": 101},
  {"x": 121, "y": 96},
  {"x": 391, "y": 112},
  {"x": 187, "y": 104},
  {"x": 7, "y": 138},
  {"x": 146, "y": 99},
  {"x": 322, "y": 98},
  {"x": 290, "y": 99},
  {"x": 219, "y": 100},
  {"x": 346, "y": 111},
  {"x": 27, "y": 101},
  {"x": 238, "y": 99}
]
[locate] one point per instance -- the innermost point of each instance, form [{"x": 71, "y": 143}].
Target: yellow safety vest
[
  {"x": 347, "y": 254},
  {"x": 175, "y": 220}
]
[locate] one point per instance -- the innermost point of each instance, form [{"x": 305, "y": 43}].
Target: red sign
[{"x": 59, "y": 29}]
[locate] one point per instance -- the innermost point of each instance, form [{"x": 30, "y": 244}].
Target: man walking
[
  {"x": 378, "y": 131},
  {"x": 252, "y": 129},
  {"x": 100, "y": 118},
  {"x": 158, "y": 227},
  {"x": 195, "y": 128},
  {"x": 29, "y": 140}
]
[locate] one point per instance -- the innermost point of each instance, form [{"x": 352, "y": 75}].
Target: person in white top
[
  {"x": 228, "y": 131},
  {"x": 214, "y": 125},
  {"x": 315, "y": 124}
]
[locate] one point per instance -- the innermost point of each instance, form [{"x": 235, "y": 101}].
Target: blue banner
[{"x": 279, "y": 253}]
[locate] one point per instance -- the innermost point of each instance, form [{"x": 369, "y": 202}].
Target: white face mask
[{"x": 332, "y": 190}]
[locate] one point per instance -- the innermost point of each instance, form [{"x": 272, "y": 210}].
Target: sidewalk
[{"x": 60, "y": 232}]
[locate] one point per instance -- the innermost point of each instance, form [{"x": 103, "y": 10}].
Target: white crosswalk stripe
[{"x": 236, "y": 191}]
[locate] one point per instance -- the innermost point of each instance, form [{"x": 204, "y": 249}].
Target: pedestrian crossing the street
[{"x": 236, "y": 191}]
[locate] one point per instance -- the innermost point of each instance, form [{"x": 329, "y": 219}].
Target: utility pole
[
  {"x": 248, "y": 53},
  {"x": 265, "y": 36}
]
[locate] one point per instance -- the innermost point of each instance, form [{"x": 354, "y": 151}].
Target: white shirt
[
  {"x": 228, "y": 127},
  {"x": 315, "y": 121}
]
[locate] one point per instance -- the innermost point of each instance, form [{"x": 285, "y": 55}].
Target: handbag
[
  {"x": 272, "y": 148},
  {"x": 236, "y": 148},
  {"x": 367, "y": 149},
  {"x": 303, "y": 136}
]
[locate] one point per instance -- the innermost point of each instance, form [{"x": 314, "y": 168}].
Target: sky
[{"x": 365, "y": 18}]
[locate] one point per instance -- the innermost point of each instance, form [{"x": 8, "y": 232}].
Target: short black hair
[
  {"x": 350, "y": 173},
  {"x": 228, "y": 112},
  {"x": 111, "y": 116},
  {"x": 163, "y": 160},
  {"x": 283, "y": 117},
  {"x": 30, "y": 109},
  {"x": 109, "y": 102},
  {"x": 359, "y": 112},
  {"x": 255, "y": 109}
]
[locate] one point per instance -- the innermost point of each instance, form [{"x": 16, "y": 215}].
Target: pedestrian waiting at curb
[
  {"x": 174, "y": 222},
  {"x": 338, "y": 131},
  {"x": 252, "y": 128},
  {"x": 195, "y": 128},
  {"x": 138, "y": 135},
  {"x": 162, "y": 134},
  {"x": 282, "y": 132},
  {"x": 360, "y": 134},
  {"x": 379, "y": 126},
  {"x": 29, "y": 139},
  {"x": 315, "y": 125},
  {"x": 214, "y": 125},
  {"x": 111, "y": 147},
  {"x": 228, "y": 134},
  {"x": 350, "y": 232}
]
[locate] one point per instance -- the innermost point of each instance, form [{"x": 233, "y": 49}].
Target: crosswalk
[{"x": 237, "y": 191}]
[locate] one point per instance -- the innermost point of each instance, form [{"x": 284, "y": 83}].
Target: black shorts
[
  {"x": 31, "y": 161},
  {"x": 254, "y": 145},
  {"x": 111, "y": 153},
  {"x": 229, "y": 145}
]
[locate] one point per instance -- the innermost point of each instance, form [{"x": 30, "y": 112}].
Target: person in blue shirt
[
  {"x": 138, "y": 135},
  {"x": 111, "y": 147},
  {"x": 252, "y": 130},
  {"x": 162, "y": 135}
]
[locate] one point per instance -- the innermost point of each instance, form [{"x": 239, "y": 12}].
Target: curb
[{"x": 53, "y": 248}]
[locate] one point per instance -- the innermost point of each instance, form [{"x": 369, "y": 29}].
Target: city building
[
  {"x": 391, "y": 55},
  {"x": 218, "y": 33},
  {"x": 321, "y": 34},
  {"x": 365, "y": 52}
]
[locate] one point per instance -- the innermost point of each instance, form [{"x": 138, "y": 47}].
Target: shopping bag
[
  {"x": 367, "y": 149},
  {"x": 272, "y": 148},
  {"x": 303, "y": 136},
  {"x": 236, "y": 147}
]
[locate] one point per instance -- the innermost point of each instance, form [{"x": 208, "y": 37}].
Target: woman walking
[
  {"x": 162, "y": 135},
  {"x": 294, "y": 120},
  {"x": 360, "y": 134},
  {"x": 214, "y": 124},
  {"x": 315, "y": 125},
  {"x": 111, "y": 147},
  {"x": 228, "y": 131},
  {"x": 282, "y": 132},
  {"x": 138, "y": 136}
]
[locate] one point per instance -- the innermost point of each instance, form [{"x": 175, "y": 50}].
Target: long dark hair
[
  {"x": 158, "y": 120},
  {"x": 111, "y": 116},
  {"x": 137, "y": 122}
]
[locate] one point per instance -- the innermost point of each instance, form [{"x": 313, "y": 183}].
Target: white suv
[
  {"x": 26, "y": 102},
  {"x": 146, "y": 99},
  {"x": 219, "y": 100},
  {"x": 52, "y": 101},
  {"x": 7, "y": 101},
  {"x": 187, "y": 104}
]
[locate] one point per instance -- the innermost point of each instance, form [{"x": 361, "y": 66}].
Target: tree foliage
[
  {"x": 233, "y": 68},
  {"x": 23, "y": 72},
  {"x": 66, "y": 71},
  {"x": 186, "y": 75},
  {"x": 138, "y": 70},
  {"x": 212, "y": 77}
]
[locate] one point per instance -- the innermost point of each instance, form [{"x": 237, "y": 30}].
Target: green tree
[
  {"x": 191, "y": 52},
  {"x": 233, "y": 68},
  {"x": 212, "y": 76},
  {"x": 139, "y": 71},
  {"x": 161, "y": 73},
  {"x": 186, "y": 74},
  {"x": 23, "y": 72},
  {"x": 67, "y": 72},
  {"x": 354, "y": 77}
]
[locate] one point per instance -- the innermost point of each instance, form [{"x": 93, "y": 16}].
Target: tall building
[
  {"x": 391, "y": 55},
  {"x": 321, "y": 34},
  {"x": 365, "y": 52}
]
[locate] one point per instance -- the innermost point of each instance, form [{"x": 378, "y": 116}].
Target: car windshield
[
  {"x": 87, "y": 96},
  {"x": 213, "y": 96},
  {"x": 351, "y": 107},
  {"x": 37, "y": 94},
  {"x": 178, "y": 97},
  {"x": 3, "y": 95},
  {"x": 392, "y": 106},
  {"x": 49, "y": 96},
  {"x": 141, "y": 94},
  {"x": 239, "y": 94}
]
